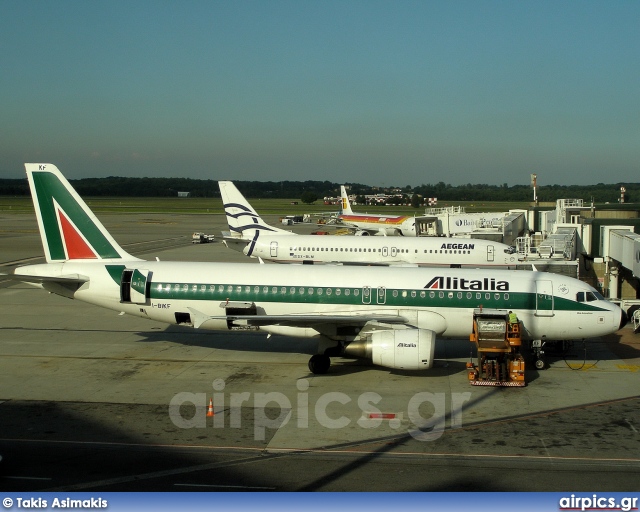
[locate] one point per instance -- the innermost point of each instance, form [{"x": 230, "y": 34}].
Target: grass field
[{"x": 262, "y": 206}]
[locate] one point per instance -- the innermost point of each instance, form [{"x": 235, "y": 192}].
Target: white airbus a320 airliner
[{"x": 390, "y": 315}]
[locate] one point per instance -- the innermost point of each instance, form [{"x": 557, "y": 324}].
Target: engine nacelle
[
  {"x": 362, "y": 233},
  {"x": 403, "y": 349}
]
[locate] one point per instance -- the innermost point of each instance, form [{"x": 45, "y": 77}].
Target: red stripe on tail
[{"x": 77, "y": 248}]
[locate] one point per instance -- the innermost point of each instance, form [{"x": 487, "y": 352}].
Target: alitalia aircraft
[
  {"x": 255, "y": 238},
  {"x": 370, "y": 224},
  {"x": 389, "y": 315}
]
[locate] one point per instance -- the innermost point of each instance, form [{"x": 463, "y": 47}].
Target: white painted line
[
  {"x": 28, "y": 478},
  {"x": 226, "y": 486},
  {"x": 159, "y": 474},
  {"x": 545, "y": 447}
]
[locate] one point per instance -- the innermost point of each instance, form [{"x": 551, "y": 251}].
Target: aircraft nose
[{"x": 624, "y": 319}]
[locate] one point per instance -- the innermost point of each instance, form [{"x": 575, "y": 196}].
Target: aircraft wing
[
  {"x": 311, "y": 320},
  {"x": 338, "y": 229},
  {"x": 395, "y": 263},
  {"x": 354, "y": 227}
]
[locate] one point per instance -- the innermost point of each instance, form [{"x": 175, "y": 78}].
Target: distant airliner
[
  {"x": 254, "y": 237},
  {"x": 370, "y": 224},
  {"x": 386, "y": 314}
]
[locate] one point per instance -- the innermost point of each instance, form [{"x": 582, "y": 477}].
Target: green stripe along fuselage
[
  {"x": 353, "y": 296},
  {"x": 290, "y": 290}
]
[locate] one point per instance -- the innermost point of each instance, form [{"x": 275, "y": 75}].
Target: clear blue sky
[{"x": 376, "y": 92}]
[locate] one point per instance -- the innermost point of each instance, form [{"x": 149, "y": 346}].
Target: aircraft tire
[{"x": 319, "y": 364}]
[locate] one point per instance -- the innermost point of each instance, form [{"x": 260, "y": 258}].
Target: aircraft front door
[
  {"x": 544, "y": 298},
  {"x": 490, "y": 252}
]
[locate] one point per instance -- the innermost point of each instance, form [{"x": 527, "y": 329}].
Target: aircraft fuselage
[{"x": 441, "y": 300}]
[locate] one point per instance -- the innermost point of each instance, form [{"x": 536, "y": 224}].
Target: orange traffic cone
[{"x": 210, "y": 410}]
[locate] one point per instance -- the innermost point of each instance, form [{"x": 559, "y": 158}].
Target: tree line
[{"x": 169, "y": 187}]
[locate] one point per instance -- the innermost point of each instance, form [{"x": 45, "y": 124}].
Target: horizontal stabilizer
[
  {"x": 62, "y": 279},
  {"x": 237, "y": 244}
]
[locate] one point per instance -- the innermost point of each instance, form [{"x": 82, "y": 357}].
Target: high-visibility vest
[{"x": 513, "y": 318}]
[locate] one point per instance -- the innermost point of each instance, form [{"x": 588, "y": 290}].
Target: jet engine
[{"x": 404, "y": 349}]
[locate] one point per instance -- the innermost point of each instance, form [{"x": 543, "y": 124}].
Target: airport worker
[{"x": 513, "y": 318}]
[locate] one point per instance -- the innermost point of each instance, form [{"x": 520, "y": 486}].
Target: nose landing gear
[{"x": 536, "y": 347}]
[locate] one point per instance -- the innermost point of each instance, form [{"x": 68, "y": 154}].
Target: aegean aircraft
[{"x": 251, "y": 235}]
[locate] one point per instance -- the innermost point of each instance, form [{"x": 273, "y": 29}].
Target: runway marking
[
  {"x": 160, "y": 474},
  {"x": 27, "y": 478},
  {"x": 322, "y": 451},
  {"x": 181, "y": 237},
  {"x": 545, "y": 447},
  {"x": 41, "y": 257},
  {"x": 631, "y": 426},
  {"x": 18, "y": 262},
  {"x": 453, "y": 454},
  {"x": 227, "y": 486},
  {"x": 140, "y": 359},
  {"x": 629, "y": 367}
]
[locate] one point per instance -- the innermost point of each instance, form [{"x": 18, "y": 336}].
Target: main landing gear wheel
[
  {"x": 539, "y": 364},
  {"x": 319, "y": 364}
]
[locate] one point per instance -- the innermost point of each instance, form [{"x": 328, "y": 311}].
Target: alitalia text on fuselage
[{"x": 462, "y": 283}]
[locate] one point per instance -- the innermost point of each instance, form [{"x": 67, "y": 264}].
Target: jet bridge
[
  {"x": 621, "y": 248},
  {"x": 503, "y": 227},
  {"x": 624, "y": 247},
  {"x": 561, "y": 245},
  {"x": 427, "y": 226}
]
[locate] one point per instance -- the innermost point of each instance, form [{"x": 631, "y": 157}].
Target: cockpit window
[{"x": 588, "y": 296}]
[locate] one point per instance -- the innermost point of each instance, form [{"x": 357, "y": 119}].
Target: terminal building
[{"x": 600, "y": 246}]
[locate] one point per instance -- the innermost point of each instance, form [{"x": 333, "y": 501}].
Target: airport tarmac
[{"x": 93, "y": 400}]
